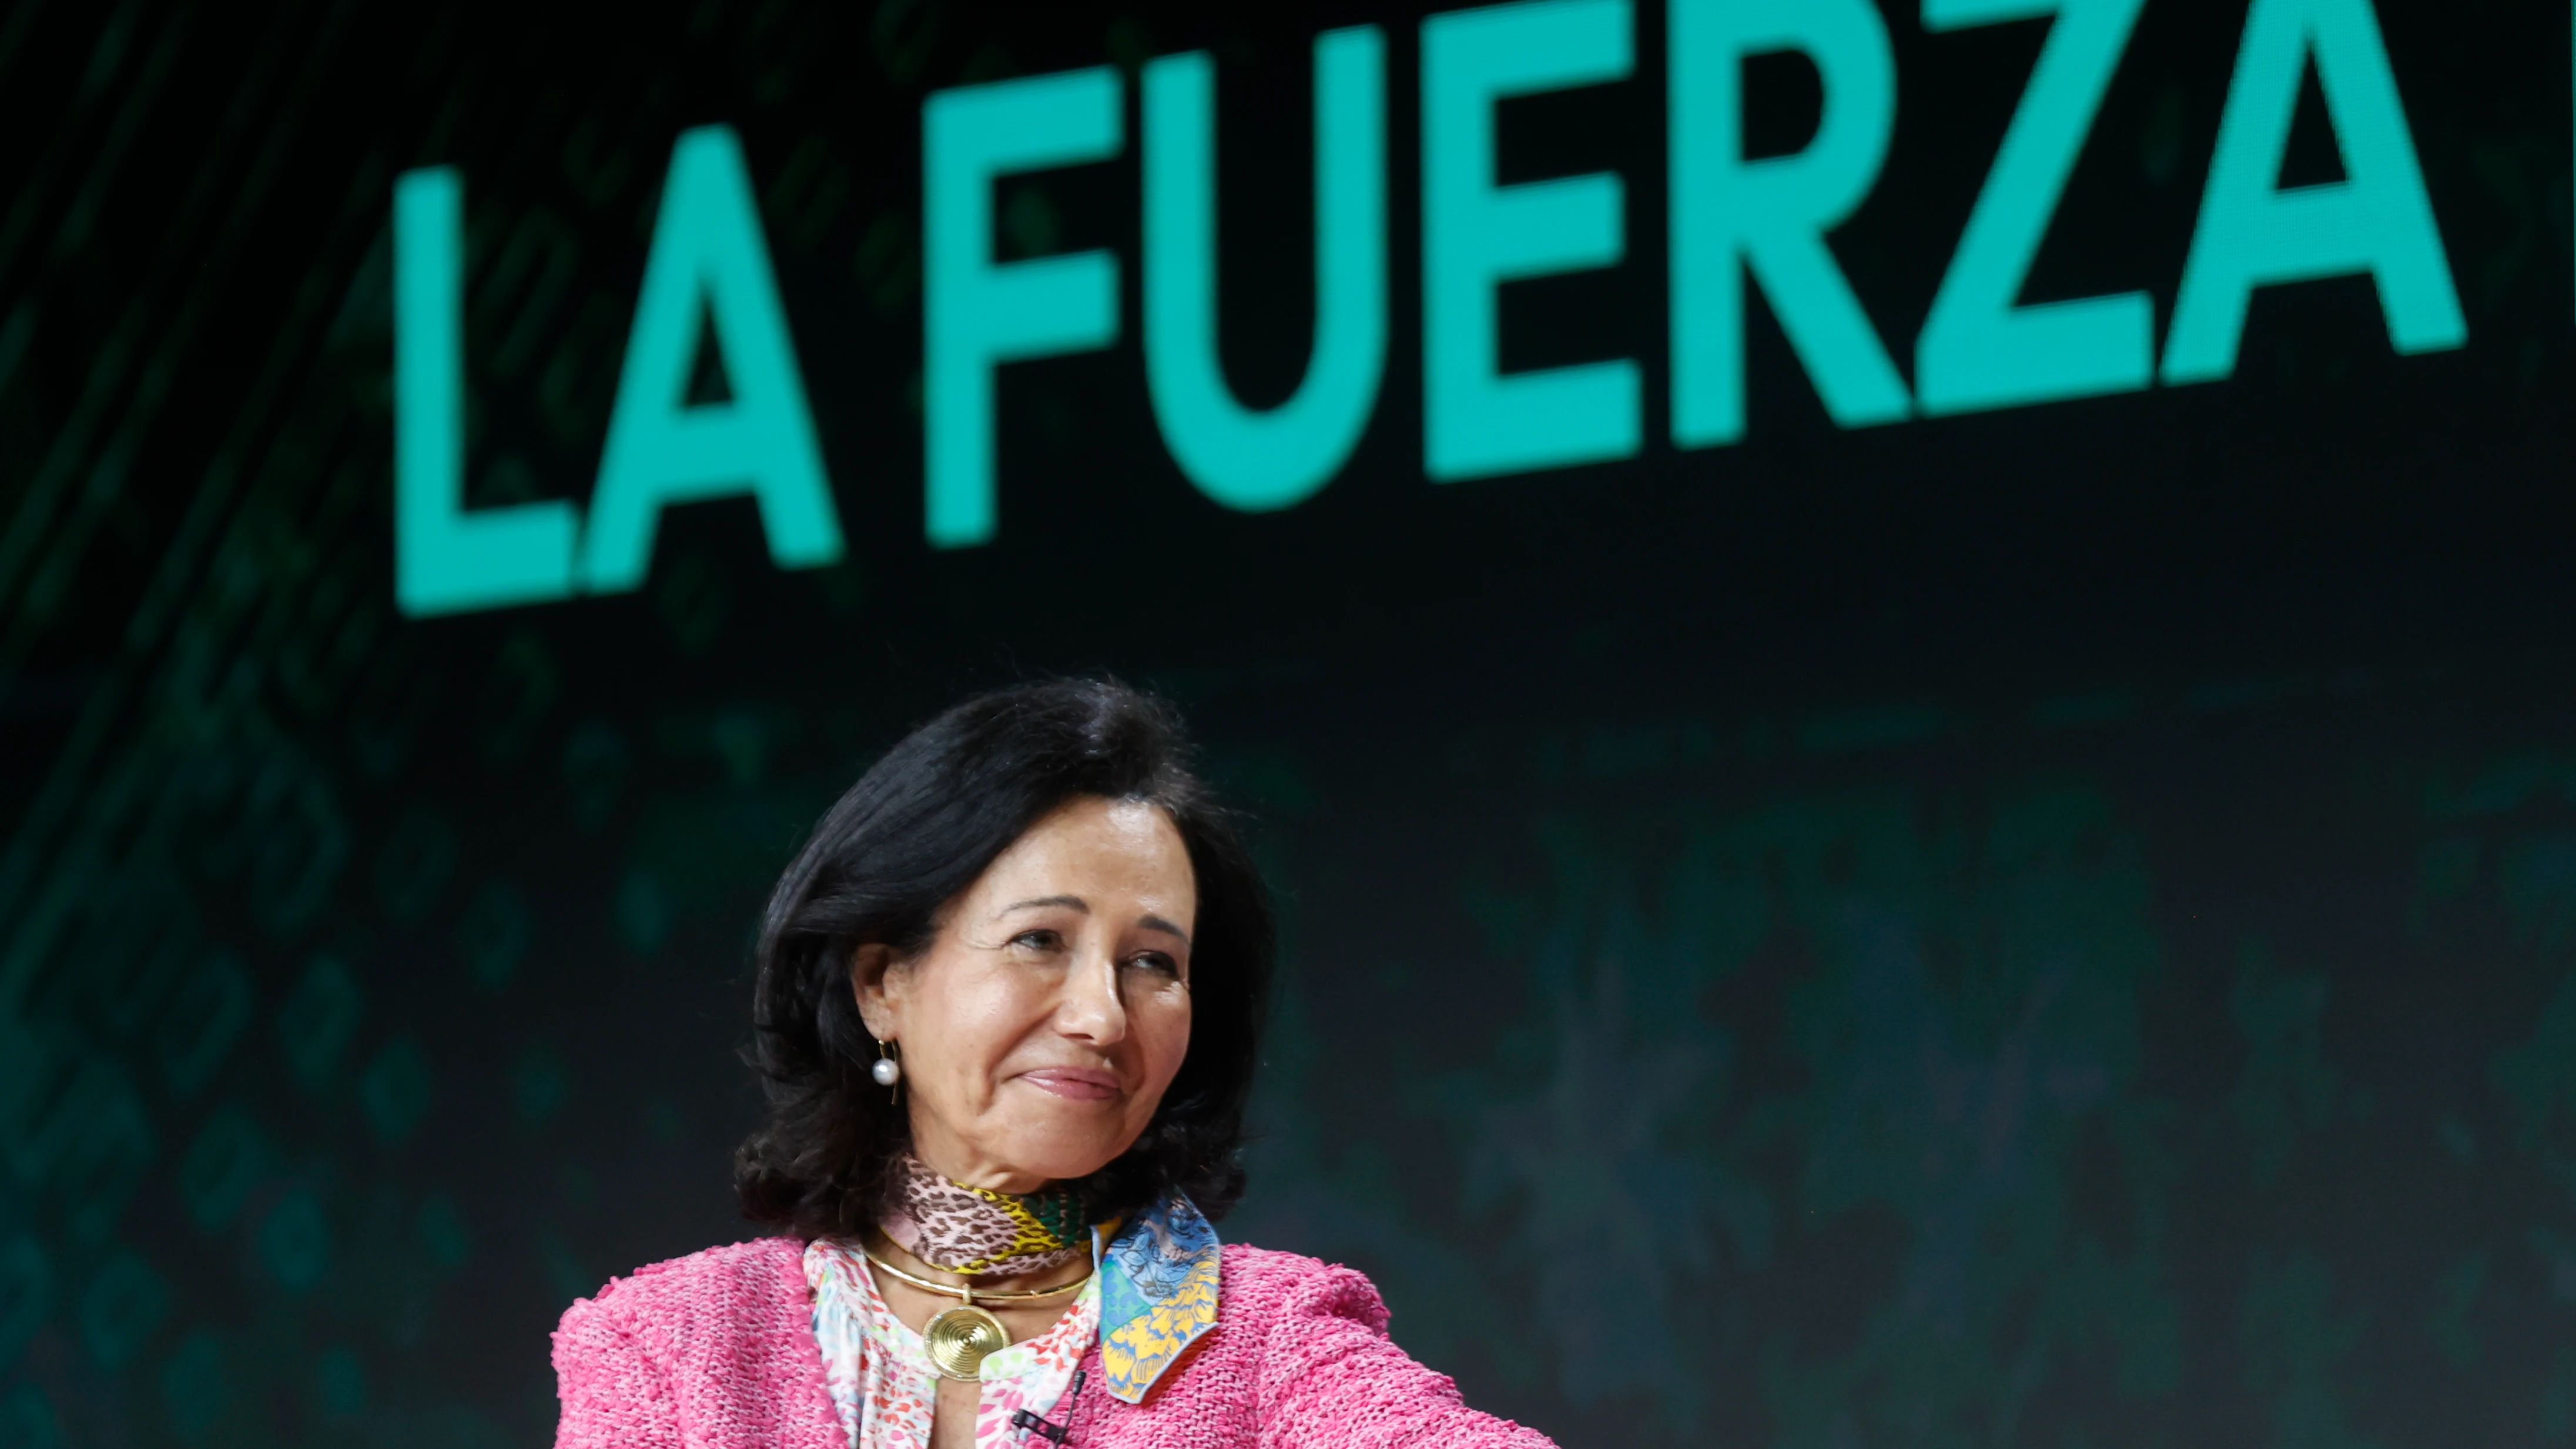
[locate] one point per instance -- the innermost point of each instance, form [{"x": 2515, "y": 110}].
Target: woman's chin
[{"x": 1066, "y": 1150}]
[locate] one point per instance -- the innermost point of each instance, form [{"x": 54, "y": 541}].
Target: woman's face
[{"x": 1041, "y": 1026}]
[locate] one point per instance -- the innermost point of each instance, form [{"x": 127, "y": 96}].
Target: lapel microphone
[{"x": 1052, "y": 1433}]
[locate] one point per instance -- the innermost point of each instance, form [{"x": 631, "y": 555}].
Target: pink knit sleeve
[
  {"x": 614, "y": 1394},
  {"x": 1331, "y": 1378}
]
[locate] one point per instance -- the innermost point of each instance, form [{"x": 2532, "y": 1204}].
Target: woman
[{"x": 1008, "y": 1008}]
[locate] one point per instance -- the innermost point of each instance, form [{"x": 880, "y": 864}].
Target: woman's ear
[{"x": 869, "y": 966}]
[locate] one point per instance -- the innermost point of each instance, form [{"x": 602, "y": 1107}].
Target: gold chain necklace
[{"x": 960, "y": 1339}]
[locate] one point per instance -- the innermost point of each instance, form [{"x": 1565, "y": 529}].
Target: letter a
[
  {"x": 2252, "y": 233},
  {"x": 707, "y": 247}
]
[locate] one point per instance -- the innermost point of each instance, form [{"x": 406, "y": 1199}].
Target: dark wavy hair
[{"x": 914, "y": 832}]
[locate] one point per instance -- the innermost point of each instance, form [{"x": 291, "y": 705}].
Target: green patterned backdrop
[{"x": 2053, "y": 927}]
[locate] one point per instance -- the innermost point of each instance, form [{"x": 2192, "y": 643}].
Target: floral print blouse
[{"x": 880, "y": 1375}]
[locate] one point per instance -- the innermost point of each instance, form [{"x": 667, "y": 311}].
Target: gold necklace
[{"x": 960, "y": 1339}]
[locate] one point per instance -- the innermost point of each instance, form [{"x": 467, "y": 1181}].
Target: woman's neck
[{"x": 946, "y": 1154}]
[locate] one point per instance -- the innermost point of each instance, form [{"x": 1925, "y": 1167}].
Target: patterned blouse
[{"x": 880, "y": 1374}]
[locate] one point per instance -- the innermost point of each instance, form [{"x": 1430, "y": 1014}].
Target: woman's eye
[
  {"x": 1037, "y": 940},
  {"x": 1156, "y": 962}
]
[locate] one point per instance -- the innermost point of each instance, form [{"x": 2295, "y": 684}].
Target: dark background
[{"x": 2050, "y": 927}]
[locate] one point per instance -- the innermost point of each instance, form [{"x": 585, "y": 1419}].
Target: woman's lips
[{"x": 1074, "y": 1084}]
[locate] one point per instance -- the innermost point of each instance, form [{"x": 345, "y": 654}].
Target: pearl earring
[{"x": 885, "y": 1071}]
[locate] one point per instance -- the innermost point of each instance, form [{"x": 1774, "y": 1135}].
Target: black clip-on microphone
[{"x": 1052, "y": 1433}]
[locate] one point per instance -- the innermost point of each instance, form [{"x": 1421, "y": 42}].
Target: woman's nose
[{"x": 1092, "y": 1010}]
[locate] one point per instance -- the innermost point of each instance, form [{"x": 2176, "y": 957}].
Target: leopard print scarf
[{"x": 976, "y": 1230}]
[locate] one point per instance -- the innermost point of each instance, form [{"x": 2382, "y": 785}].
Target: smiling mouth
[{"x": 1074, "y": 1084}]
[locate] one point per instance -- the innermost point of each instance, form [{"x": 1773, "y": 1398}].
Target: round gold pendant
[{"x": 960, "y": 1339}]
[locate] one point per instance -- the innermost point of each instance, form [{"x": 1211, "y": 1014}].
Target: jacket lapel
[{"x": 1158, "y": 1285}]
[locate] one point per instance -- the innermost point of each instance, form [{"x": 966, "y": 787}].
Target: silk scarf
[
  {"x": 1158, "y": 1270},
  {"x": 977, "y": 1230}
]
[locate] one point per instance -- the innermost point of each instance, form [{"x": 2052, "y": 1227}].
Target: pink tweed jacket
[{"x": 716, "y": 1351}]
